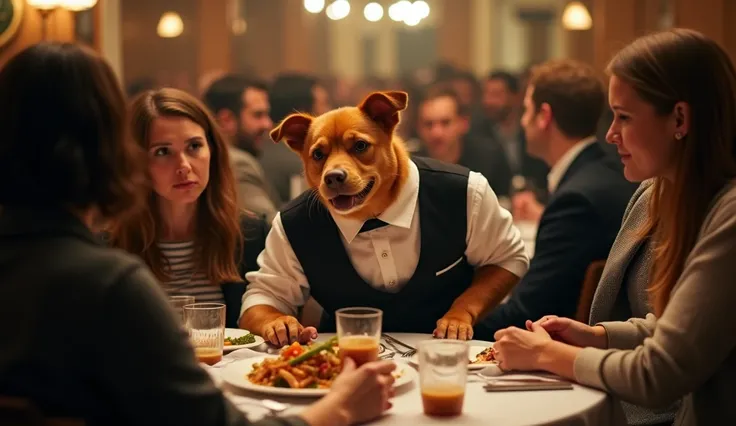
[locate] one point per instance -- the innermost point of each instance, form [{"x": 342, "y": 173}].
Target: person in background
[
  {"x": 290, "y": 93},
  {"x": 442, "y": 125},
  {"x": 60, "y": 183},
  {"x": 192, "y": 235},
  {"x": 589, "y": 193},
  {"x": 673, "y": 94},
  {"x": 241, "y": 108},
  {"x": 502, "y": 105}
]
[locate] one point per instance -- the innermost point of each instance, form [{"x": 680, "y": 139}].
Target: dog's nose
[{"x": 335, "y": 178}]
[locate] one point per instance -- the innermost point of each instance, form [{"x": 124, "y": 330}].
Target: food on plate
[
  {"x": 486, "y": 356},
  {"x": 242, "y": 340},
  {"x": 298, "y": 367}
]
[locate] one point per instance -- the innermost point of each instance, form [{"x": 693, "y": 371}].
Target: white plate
[
  {"x": 473, "y": 351},
  {"x": 234, "y": 333},
  {"x": 236, "y": 374}
]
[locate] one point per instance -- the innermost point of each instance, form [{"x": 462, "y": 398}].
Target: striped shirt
[{"x": 185, "y": 280}]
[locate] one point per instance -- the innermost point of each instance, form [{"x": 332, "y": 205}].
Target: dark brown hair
[
  {"x": 218, "y": 238},
  {"x": 442, "y": 90},
  {"x": 574, "y": 93},
  {"x": 673, "y": 66},
  {"x": 64, "y": 138}
]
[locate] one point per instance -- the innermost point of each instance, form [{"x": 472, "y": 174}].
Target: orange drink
[
  {"x": 361, "y": 349},
  {"x": 206, "y": 325},
  {"x": 209, "y": 356},
  {"x": 443, "y": 400},
  {"x": 443, "y": 370}
]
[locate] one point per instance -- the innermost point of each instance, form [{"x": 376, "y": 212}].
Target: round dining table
[{"x": 578, "y": 406}]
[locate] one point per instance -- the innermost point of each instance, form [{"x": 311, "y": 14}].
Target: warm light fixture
[
  {"x": 314, "y": 6},
  {"x": 399, "y": 10},
  {"x": 420, "y": 8},
  {"x": 576, "y": 17},
  {"x": 373, "y": 12},
  {"x": 44, "y": 4},
  {"x": 170, "y": 25},
  {"x": 337, "y": 10},
  {"x": 77, "y": 5}
]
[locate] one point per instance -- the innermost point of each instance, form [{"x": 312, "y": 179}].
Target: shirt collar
[
  {"x": 560, "y": 168},
  {"x": 400, "y": 213}
]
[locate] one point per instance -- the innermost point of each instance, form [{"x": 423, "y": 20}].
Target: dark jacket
[
  {"x": 254, "y": 229},
  {"x": 578, "y": 227},
  {"x": 87, "y": 332}
]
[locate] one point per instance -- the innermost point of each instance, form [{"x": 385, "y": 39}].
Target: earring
[{"x": 678, "y": 136}]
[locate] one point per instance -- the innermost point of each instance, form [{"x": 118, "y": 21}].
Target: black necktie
[{"x": 372, "y": 224}]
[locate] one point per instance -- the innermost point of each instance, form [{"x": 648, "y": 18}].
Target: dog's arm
[
  {"x": 256, "y": 317},
  {"x": 490, "y": 285}
]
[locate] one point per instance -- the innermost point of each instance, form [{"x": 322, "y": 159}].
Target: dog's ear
[
  {"x": 384, "y": 108},
  {"x": 293, "y": 130}
]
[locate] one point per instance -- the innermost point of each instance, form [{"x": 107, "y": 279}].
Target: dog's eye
[
  {"x": 360, "y": 146},
  {"x": 317, "y": 155}
]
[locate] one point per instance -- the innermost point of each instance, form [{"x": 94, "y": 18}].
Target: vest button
[
  {"x": 392, "y": 282},
  {"x": 384, "y": 254}
]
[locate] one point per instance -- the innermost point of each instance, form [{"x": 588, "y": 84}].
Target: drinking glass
[
  {"x": 178, "y": 303},
  {"x": 443, "y": 369},
  {"x": 206, "y": 325},
  {"x": 359, "y": 333}
]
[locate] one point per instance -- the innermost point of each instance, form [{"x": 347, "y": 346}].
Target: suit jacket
[
  {"x": 485, "y": 157},
  {"x": 254, "y": 229},
  {"x": 577, "y": 228},
  {"x": 622, "y": 291},
  {"x": 281, "y": 164},
  {"x": 254, "y": 191},
  {"x": 88, "y": 333}
]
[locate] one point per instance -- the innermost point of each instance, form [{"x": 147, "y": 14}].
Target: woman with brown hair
[
  {"x": 192, "y": 234},
  {"x": 68, "y": 169},
  {"x": 674, "y": 100}
]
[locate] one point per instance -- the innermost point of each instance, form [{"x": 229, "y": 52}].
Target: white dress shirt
[
  {"x": 560, "y": 168},
  {"x": 387, "y": 257}
]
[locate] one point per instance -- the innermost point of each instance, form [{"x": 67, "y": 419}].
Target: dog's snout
[{"x": 335, "y": 178}]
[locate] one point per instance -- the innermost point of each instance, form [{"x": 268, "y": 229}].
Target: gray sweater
[{"x": 690, "y": 351}]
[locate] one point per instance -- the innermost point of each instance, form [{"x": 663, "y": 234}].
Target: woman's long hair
[
  {"x": 683, "y": 66},
  {"x": 218, "y": 238}
]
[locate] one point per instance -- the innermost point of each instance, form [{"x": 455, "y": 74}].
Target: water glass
[
  {"x": 206, "y": 325},
  {"x": 178, "y": 303},
  {"x": 359, "y": 333},
  {"x": 443, "y": 369}
]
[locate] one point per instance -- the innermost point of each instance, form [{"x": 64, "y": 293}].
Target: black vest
[{"x": 335, "y": 284}]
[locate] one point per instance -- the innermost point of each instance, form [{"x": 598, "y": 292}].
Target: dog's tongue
[{"x": 343, "y": 202}]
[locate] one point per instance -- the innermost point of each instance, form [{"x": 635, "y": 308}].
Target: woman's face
[
  {"x": 179, "y": 159},
  {"x": 645, "y": 140}
]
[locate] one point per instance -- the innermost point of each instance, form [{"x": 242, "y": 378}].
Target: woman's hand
[
  {"x": 356, "y": 396},
  {"x": 572, "y": 332},
  {"x": 518, "y": 349}
]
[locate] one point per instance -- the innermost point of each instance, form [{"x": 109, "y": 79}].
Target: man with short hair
[
  {"x": 241, "y": 108},
  {"x": 442, "y": 126},
  {"x": 563, "y": 103}
]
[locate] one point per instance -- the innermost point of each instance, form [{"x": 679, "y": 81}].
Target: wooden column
[
  {"x": 454, "y": 32},
  {"x": 617, "y": 23},
  {"x": 299, "y": 27},
  {"x": 714, "y": 18},
  {"x": 215, "y": 33}
]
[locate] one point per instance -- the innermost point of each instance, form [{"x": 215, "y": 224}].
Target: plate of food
[
  {"x": 479, "y": 357},
  {"x": 236, "y": 338},
  {"x": 298, "y": 370}
]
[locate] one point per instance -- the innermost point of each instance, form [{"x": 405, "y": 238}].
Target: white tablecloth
[{"x": 580, "y": 406}]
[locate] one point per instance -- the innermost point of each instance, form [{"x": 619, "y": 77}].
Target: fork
[
  {"x": 405, "y": 354},
  {"x": 409, "y": 353}
]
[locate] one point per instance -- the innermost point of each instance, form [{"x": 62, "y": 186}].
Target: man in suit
[
  {"x": 500, "y": 125},
  {"x": 241, "y": 108},
  {"x": 442, "y": 125},
  {"x": 589, "y": 194},
  {"x": 291, "y": 92}
]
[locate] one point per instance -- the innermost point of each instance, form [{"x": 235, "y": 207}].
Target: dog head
[{"x": 351, "y": 156}]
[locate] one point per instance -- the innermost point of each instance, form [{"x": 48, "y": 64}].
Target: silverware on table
[
  {"x": 274, "y": 407},
  {"x": 393, "y": 342}
]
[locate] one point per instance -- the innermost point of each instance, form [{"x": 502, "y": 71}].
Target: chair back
[{"x": 587, "y": 291}]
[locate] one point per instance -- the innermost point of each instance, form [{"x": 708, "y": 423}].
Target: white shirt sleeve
[
  {"x": 492, "y": 238},
  {"x": 280, "y": 281}
]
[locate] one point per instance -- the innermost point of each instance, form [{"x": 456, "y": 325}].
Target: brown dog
[{"x": 351, "y": 155}]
